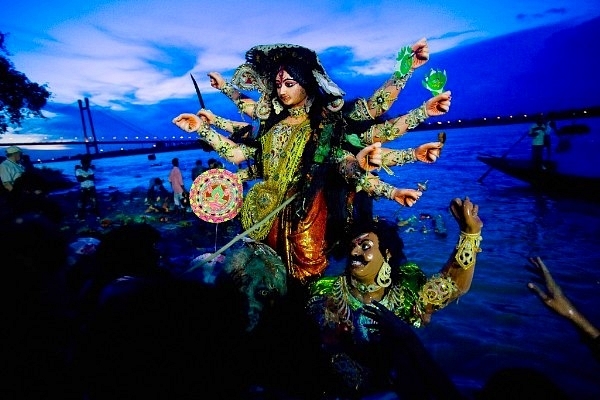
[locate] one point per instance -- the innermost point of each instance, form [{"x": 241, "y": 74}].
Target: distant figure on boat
[{"x": 538, "y": 133}]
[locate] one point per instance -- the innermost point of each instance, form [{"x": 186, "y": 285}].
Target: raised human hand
[
  {"x": 216, "y": 80},
  {"x": 207, "y": 116},
  {"x": 406, "y": 197},
  {"x": 188, "y": 122},
  {"x": 466, "y": 215},
  {"x": 554, "y": 298},
  {"x": 370, "y": 157},
  {"x": 439, "y": 104},
  {"x": 421, "y": 53},
  {"x": 429, "y": 152}
]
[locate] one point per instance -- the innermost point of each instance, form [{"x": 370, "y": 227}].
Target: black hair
[{"x": 387, "y": 234}]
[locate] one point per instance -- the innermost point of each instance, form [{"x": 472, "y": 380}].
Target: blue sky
[{"x": 132, "y": 58}]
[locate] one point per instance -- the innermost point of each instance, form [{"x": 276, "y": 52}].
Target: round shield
[{"x": 216, "y": 195}]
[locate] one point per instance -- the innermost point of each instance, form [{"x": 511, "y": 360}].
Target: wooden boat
[
  {"x": 573, "y": 170},
  {"x": 548, "y": 180}
]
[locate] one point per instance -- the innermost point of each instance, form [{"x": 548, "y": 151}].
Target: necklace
[
  {"x": 298, "y": 112},
  {"x": 362, "y": 288}
]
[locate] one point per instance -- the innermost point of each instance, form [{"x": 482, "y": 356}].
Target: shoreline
[
  {"x": 162, "y": 146},
  {"x": 183, "y": 237}
]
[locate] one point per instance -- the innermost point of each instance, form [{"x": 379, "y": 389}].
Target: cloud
[{"x": 134, "y": 58}]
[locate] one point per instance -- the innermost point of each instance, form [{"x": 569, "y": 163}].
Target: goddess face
[
  {"x": 365, "y": 257},
  {"x": 289, "y": 91}
]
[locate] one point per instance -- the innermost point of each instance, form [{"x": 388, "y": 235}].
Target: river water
[{"x": 499, "y": 322}]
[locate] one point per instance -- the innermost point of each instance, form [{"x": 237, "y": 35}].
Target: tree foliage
[{"x": 19, "y": 97}]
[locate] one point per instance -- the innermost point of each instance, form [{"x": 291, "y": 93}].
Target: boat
[
  {"x": 546, "y": 179},
  {"x": 571, "y": 172}
]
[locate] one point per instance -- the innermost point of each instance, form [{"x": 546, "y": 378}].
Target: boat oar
[
  {"x": 243, "y": 234},
  {"x": 482, "y": 177}
]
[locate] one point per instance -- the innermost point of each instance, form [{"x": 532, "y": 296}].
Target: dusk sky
[{"x": 133, "y": 58}]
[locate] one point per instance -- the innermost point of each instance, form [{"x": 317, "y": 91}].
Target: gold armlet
[
  {"x": 228, "y": 90},
  {"x": 247, "y": 151},
  {"x": 438, "y": 292},
  {"x": 368, "y": 136},
  {"x": 374, "y": 186},
  {"x": 204, "y": 131},
  {"x": 416, "y": 116},
  {"x": 467, "y": 249},
  {"x": 224, "y": 148},
  {"x": 360, "y": 111},
  {"x": 399, "y": 157},
  {"x": 401, "y": 82},
  {"x": 381, "y": 101},
  {"x": 221, "y": 123},
  {"x": 389, "y": 131}
]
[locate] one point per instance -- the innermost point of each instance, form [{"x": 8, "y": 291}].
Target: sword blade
[{"x": 200, "y": 99}]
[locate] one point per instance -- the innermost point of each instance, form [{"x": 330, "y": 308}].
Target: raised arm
[
  {"x": 225, "y": 147},
  {"x": 396, "y": 127},
  {"x": 244, "y": 103},
  {"x": 461, "y": 264},
  {"x": 555, "y": 300},
  {"x": 357, "y": 171},
  {"x": 222, "y": 123},
  {"x": 386, "y": 95}
]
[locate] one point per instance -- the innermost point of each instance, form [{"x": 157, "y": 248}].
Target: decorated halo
[{"x": 216, "y": 195}]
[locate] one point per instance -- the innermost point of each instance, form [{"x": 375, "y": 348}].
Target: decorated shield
[{"x": 216, "y": 195}]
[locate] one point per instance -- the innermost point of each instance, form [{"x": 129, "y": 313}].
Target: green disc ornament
[
  {"x": 404, "y": 64},
  {"x": 435, "y": 81}
]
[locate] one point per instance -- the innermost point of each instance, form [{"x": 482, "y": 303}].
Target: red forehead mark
[{"x": 280, "y": 73}]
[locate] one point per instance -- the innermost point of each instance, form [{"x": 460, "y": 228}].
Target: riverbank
[{"x": 184, "y": 236}]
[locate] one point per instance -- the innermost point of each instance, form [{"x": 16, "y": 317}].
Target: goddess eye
[{"x": 290, "y": 84}]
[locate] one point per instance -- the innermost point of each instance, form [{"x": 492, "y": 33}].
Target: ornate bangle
[
  {"x": 368, "y": 136},
  {"x": 247, "y": 151},
  {"x": 228, "y": 90},
  {"x": 381, "y": 101},
  {"x": 221, "y": 123},
  {"x": 438, "y": 291},
  {"x": 399, "y": 157},
  {"x": 388, "y": 131},
  {"x": 401, "y": 82},
  {"x": 467, "y": 249},
  {"x": 224, "y": 148},
  {"x": 360, "y": 111},
  {"x": 416, "y": 116},
  {"x": 375, "y": 187},
  {"x": 204, "y": 130}
]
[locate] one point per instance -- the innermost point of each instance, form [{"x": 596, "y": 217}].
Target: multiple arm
[
  {"x": 225, "y": 147},
  {"x": 385, "y": 96},
  {"x": 244, "y": 103},
  {"x": 357, "y": 171},
  {"x": 396, "y": 127}
]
